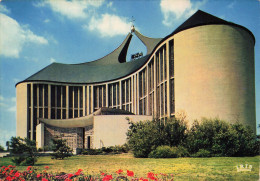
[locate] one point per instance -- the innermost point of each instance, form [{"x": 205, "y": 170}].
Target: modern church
[{"x": 204, "y": 68}]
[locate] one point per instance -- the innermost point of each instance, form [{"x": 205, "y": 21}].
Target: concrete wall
[
  {"x": 40, "y": 135},
  {"x": 110, "y": 130},
  {"x": 21, "y": 110},
  {"x": 214, "y": 73}
]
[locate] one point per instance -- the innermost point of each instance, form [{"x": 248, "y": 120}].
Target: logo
[{"x": 241, "y": 168}]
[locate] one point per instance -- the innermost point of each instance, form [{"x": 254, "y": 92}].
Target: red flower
[
  {"x": 8, "y": 178},
  {"x": 150, "y": 175},
  {"x": 44, "y": 179},
  {"x": 10, "y": 166},
  {"x": 17, "y": 174},
  {"x": 80, "y": 170},
  {"x": 29, "y": 168},
  {"x": 30, "y": 171},
  {"x": 3, "y": 166},
  {"x": 143, "y": 179},
  {"x": 119, "y": 171},
  {"x": 130, "y": 173},
  {"x": 6, "y": 168},
  {"x": 39, "y": 175},
  {"x": 107, "y": 178},
  {"x": 77, "y": 173},
  {"x": 70, "y": 175},
  {"x": 102, "y": 173},
  {"x": 46, "y": 167}
]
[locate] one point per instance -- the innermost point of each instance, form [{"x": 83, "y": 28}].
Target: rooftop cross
[
  {"x": 132, "y": 21},
  {"x": 132, "y": 27}
]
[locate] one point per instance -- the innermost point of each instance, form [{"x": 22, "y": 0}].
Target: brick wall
[{"x": 73, "y": 136}]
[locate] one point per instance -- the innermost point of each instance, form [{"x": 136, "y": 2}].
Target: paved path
[{"x": 4, "y": 154}]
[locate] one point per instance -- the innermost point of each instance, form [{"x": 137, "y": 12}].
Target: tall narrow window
[{"x": 171, "y": 58}]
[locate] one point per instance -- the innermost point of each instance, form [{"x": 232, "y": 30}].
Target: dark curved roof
[
  {"x": 202, "y": 18},
  {"x": 114, "y": 65},
  {"x": 87, "y": 73}
]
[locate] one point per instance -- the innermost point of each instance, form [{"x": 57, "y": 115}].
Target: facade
[{"x": 204, "y": 68}]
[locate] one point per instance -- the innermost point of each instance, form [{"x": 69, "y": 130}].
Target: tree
[
  {"x": 61, "y": 150},
  {"x": 143, "y": 137},
  {"x": 8, "y": 145},
  {"x": 24, "y": 150},
  {"x": 2, "y": 148}
]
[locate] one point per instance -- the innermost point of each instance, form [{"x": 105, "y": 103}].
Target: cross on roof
[{"x": 132, "y": 21}]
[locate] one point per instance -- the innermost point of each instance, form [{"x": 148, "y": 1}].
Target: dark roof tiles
[{"x": 114, "y": 65}]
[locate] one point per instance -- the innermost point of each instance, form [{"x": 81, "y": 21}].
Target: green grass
[{"x": 218, "y": 168}]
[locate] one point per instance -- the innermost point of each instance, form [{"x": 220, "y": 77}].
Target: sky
[{"x": 34, "y": 34}]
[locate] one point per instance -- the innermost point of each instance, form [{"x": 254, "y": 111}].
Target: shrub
[
  {"x": 61, "y": 150},
  {"x": 163, "y": 152},
  {"x": 246, "y": 144},
  {"x": 182, "y": 152},
  {"x": 202, "y": 153},
  {"x": 174, "y": 132},
  {"x": 218, "y": 137},
  {"x": 144, "y": 137},
  {"x": 222, "y": 139},
  {"x": 24, "y": 150},
  {"x": 93, "y": 152},
  {"x": 107, "y": 150}
]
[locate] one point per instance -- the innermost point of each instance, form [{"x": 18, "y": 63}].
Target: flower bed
[{"x": 10, "y": 173}]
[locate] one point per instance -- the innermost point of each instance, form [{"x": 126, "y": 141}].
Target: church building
[{"x": 204, "y": 68}]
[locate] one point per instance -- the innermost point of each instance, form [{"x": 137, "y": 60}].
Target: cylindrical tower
[{"x": 214, "y": 73}]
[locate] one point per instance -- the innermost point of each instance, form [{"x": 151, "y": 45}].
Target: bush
[
  {"x": 182, "y": 152},
  {"x": 164, "y": 152},
  {"x": 61, "y": 150},
  {"x": 93, "y": 152},
  {"x": 107, "y": 150},
  {"x": 202, "y": 153},
  {"x": 174, "y": 132},
  {"x": 18, "y": 160},
  {"x": 144, "y": 137},
  {"x": 25, "y": 149},
  {"x": 222, "y": 139}
]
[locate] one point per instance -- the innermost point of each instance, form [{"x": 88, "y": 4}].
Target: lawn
[{"x": 218, "y": 168}]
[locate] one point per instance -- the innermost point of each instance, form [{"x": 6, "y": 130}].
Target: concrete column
[
  {"x": 49, "y": 101},
  {"x": 168, "y": 80},
  {"x": 92, "y": 99},
  {"x": 120, "y": 94},
  {"x": 107, "y": 94},
  {"x": 73, "y": 103},
  {"x": 147, "y": 91},
  {"x": 132, "y": 93},
  {"x": 67, "y": 102},
  {"x": 137, "y": 94},
  {"x": 84, "y": 100},
  {"x": 32, "y": 111},
  {"x": 87, "y": 98},
  {"x": 22, "y": 122},
  {"x": 38, "y": 98},
  {"x": 155, "y": 86}
]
